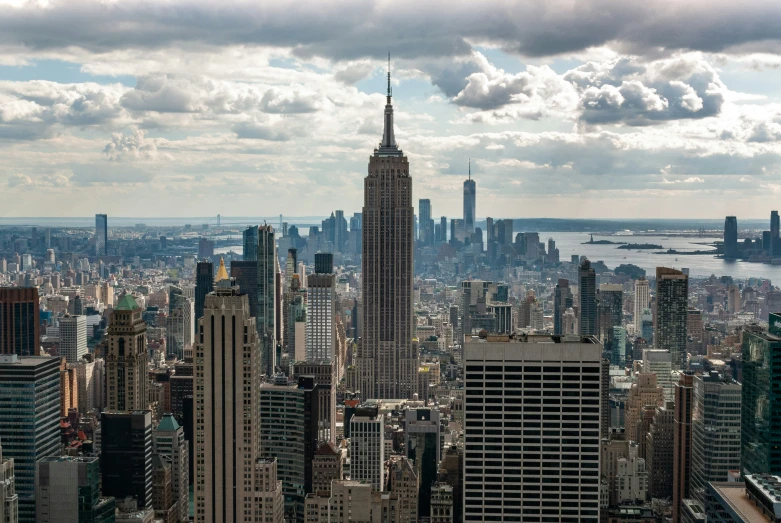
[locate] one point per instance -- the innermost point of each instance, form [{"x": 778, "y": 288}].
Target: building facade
[
  {"x": 73, "y": 338},
  {"x": 672, "y": 305},
  {"x": 126, "y": 358},
  {"x": 67, "y": 489},
  {"x": 387, "y": 362},
  {"x": 20, "y": 327}
]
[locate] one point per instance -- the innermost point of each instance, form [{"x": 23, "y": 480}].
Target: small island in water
[
  {"x": 640, "y": 246},
  {"x": 601, "y": 242}
]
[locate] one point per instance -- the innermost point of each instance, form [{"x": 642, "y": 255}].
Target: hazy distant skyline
[{"x": 594, "y": 109}]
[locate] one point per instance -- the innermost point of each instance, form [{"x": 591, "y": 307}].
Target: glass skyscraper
[
  {"x": 761, "y": 403},
  {"x": 29, "y": 420}
]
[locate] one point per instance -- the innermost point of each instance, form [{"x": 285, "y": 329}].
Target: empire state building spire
[{"x": 388, "y": 145}]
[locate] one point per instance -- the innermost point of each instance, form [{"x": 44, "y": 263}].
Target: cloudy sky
[{"x": 588, "y": 108}]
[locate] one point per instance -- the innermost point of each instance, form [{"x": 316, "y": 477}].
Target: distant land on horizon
[{"x": 590, "y": 225}]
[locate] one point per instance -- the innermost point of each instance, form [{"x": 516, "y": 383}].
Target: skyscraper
[
  {"x": 642, "y": 299},
  {"x": 266, "y": 320},
  {"x": 426, "y": 223},
  {"x": 387, "y": 363},
  {"x": 672, "y": 304},
  {"x": 204, "y": 284},
  {"x": 731, "y": 237},
  {"x": 682, "y": 442},
  {"x": 101, "y": 235},
  {"x": 73, "y": 338},
  {"x": 715, "y": 447},
  {"x": 588, "y": 299},
  {"x": 321, "y": 303},
  {"x": 367, "y": 448},
  {"x": 29, "y": 420},
  {"x": 470, "y": 193},
  {"x": 250, "y": 240},
  {"x": 180, "y": 324},
  {"x": 227, "y": 406},
  {"x": 126, "y": 455},
  {"x": 562, "y": 300},
  {"x": 126, "y": 357},
  {"x": 169, "y": 443},
  {"x": 20, "y": 321},
  {"x": 760, "y": 421},
  {"x": 774, "y": 234},
  {"x": 67, "y": 489},
  {"x": 552, "y": 467}
]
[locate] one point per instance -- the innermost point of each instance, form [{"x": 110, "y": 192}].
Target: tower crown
[{"x": 388, "y": 146}]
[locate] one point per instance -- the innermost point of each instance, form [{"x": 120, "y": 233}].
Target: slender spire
[
  {"x": 388, "y": 145},
  {"x": 389, "y": 83}
]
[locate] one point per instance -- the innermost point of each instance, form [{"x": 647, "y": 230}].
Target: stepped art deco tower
[{"x": 387, "y": 359}]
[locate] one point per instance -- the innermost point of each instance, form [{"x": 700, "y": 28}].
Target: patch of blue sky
[{"x": 58, "y": 71}]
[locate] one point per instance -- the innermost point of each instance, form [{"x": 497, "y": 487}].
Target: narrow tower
[{"x": 387, "y": 359}]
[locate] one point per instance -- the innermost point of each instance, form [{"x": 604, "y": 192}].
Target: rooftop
[
  {"x": 734, "y": 495},
  {"x": 127, "y": 303}
]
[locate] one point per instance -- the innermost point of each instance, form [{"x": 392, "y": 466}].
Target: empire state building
[{"x": 387, "y": 359}]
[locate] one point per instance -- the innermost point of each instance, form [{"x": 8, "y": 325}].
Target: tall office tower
[
  {"x": 291, "y": 265},
  {"x": 774, "y": 233},
  {"x": 760, "y": 421},
  {"x": 715, "y": 432},
  {"x": 204, "y": 284},
  {"x": 205, "y": 249},
  {"x": 227, "y": 406},
  {"x": 731, "y": 237},
  {"x": 422, "y": 444},
  {"x": 659, "y": 451},
  {"x": 387, "y": 363},
  {"x": 558, "y": 481},
  {"x": 246, "y": 275},
  {"x": 508, "y": 231},
  {"x": 180, "y": 324},
  {"x": 659, "y": 362},
  {"x": 562, "y": 300},
  {"x": 325, "y": 377},
  {"x": 266, "y": 319},
  {"x": 734, "y": 303},
  {"x": 642, "y": 299},
  {"x": 20, "y": 327},
  {"x": 162, "y": 498},
  {"x": 250, "y": 240},
  {"x": 682, "y": 442},
  {"x": 73, "y": 338},
  {"x": 295, "y": 320},
  {"x": 672, "y": 304},
  {"x": 289, "y": 416},
  {"x": 367, "y": 447},
  {"x": 126, "y": 455},
  {"x": 588, "y": 299},
  {"x": 610, "y": 313},
  {"x": 126, "y": 358},
  {"x": 644, "y": 392},
  {"x": 470, "y": 207},
  {"x": 426, "y": 223},
  {"x": 67, "y": 489},
  {"x": 321, "y": 304},
  {"x": 170, "y": 445},
  {"x": 324, "y": 263},
  {"x": 29, "y": 420},
  {"x": 443, "y": 227},
  {"x": 269, "y": 502},
  {"x": 69, "y": 389},
  {"x": 101, "y": 235}
]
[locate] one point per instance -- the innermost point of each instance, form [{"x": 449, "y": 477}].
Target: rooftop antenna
[{"x": 389, "y": 83}]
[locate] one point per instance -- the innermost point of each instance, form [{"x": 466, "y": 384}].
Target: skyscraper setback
[{"x": 387, "y": 360}]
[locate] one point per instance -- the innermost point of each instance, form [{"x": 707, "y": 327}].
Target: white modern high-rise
[
  {"x": 320, "y": 322},
  {"x": 532, "y": 428},
  {"x": 367, "y": 447},
  {"x": 660, "y": 362},
  {"x": 642, "y": 299},
  {"x": 73, "y": 338},
  {"x": 227, "y": 406}
]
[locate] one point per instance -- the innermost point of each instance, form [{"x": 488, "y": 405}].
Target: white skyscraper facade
[
  {"x": 532, "y": 429},
  {"x": 367, "y": 447},
  {"x": 73, "y": 338},
  {"x": 642, "y": 299},
  {"x": 320, "y": 322}
]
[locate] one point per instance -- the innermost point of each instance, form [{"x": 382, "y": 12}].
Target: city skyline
[{"x": 602, "y": 120}]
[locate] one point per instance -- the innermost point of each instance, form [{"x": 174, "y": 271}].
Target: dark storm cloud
[{"x": 357, "y": 28}]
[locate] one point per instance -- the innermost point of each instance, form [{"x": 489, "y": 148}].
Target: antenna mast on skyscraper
[{"x": 389, "y": 83}]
